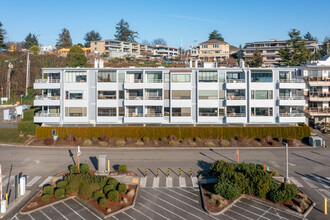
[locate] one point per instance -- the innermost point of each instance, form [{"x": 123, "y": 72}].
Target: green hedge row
[
  {"x": 297, "y": 132},
  {"x": 27, "y": 127}
]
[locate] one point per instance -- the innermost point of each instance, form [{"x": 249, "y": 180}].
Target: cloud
[{"x": 190, "y": 18}]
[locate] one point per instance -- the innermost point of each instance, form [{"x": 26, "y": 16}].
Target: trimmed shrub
[
  {"x": 49, "y": 141},
  {"x": 107, "y": 188},
  {"x": 120, "y": 143},
  {"x": 192, "y": 144},
  {"x": 223, "y": 143},
  {"x": 45, "y": 197},
  {"x": 113, "y": 195},
  {"x": 71, "y": 188},
  {"x": 122, "y": 168},
  {"x": 197, "y": 139},
  {"x": 209, "y": 144},
  {"x": 98, "y": 194},
  {"x": 103, "y": 143},
  {"x": 61, "y": 184},
  {"x": 84, "y": 168},
  {"x": 87, "y": 142},
  {"x": 227, "y": 190},
  {"x": 59, "y": 193},
  {"x": 155, "y": 142},
  {"x": 73, "y": 169},
  {"x": 85, "y": 191},
  {"x": 174, "y": 143},
  {"x": 164, "y": 139},
  {"x": 145, "y": 139},
  {"x": 139, "y": 143},
  {"x": 48, "y": 190},
  {"x": 113, "y": 183},
  {"x": 122, "y": 188},
  {"x": 102, "y": 201}
]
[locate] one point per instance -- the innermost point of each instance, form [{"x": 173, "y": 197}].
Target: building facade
[
  {"x": 192, "y": 96},
  {"x": 161, "y": 51},
  {"x": 210, "y": 51},
  {"x": 269, "y": 50},
  {"x": 317, "y": 75}
]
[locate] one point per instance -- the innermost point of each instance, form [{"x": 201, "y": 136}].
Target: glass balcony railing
[
  {"x": 47, "y": 98},
  {"x": 235, "y": 97},
  {"x": 47, "y": 81},
  {"x": 292, "y": 97},
  {"x": 47, "y": 114},
  {"x": 292, "y": 114},
  {"x": 235, "y": 114}
]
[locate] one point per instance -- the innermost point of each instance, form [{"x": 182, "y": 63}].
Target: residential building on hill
[
  {"x": 161, "y": 51},
  {"x": 170, "y": 96},
  {"x": 210, "y": 51},
  {"x": 269, "y": 50}
]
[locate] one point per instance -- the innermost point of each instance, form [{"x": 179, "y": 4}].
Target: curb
[{"x": 15, "y": 204}]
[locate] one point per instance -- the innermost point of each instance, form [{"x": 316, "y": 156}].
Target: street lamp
[{"x": 286, "y": 179}]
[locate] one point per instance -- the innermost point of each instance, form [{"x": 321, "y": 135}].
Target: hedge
[
  {"x": 296, "y": 132},
  {"x": 28, "y": 127}
]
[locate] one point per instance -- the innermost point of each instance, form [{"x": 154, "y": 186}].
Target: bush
[
  {"x": 104, "y": 138},
  {"x": 73, "y": 169},
  {"x": 155, "y": 142},
  {"x": 145, "y": 139},
  {"x": 113, "y": 195},
  {"x": 223, "y": 143},
  {"x": 45, "y": 197},
  {"x": 197, "y": 139},
  {"x": 71, "y": 188},
  {"x": 120, "y": 143},
  {"x": 139, "y": 143},
  {"x": 192, "y": 144},
  {"x": 61, "y": 184},
  {"x": 221, "y": 166},
  {"x": 59, "y": 193},
  {"x": 122, "y": 168},
  {"x": 107, "y": 188},
  {"x": 239, "y": 138},
  {"x": 27, "y": 127},
  {"x": 164, "y": 139},
  {"x": 84, "y": 168},
  {"x": 227, "y": 190},
  {"x": 122, "y": 188},
  {"x": 48, "y": 190},
  {"x": 103, "y": 143},
  {"x": 209, "y": 143},
  {"x": 98, "y": 194},
  {"x": 49, "y": 141},
  {"x": 85, "y": 191},
  {"x": 174, "y": 143},
  {"x": 102, "y": 201},
  {"x": 87, "y": 142},
  {"x": 113, "y": 183}
]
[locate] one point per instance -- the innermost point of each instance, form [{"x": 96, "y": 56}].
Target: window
[
  {"x": 181, "y": 78},
  {"x": 75, "y": 111},
  {"x": 181, "y": 94},
  {"x": 167, "y": 77},
  {"x": 107, "y": 76},
  {"x": 74, "y": 95},
  {"x": 121, "y": 94},
  {"x": 208, "y": 76},
  {"x": 261, "y": 111},
  {"x": 261, "y": 94},
  {"x": 315, "y": 73},
  {"x": 215, "y": 45},
  {"x": 154, "y": 77},
  {"x": 166, "y": 94},
  {"x": 284, "y": 75},
  {"x": 221, "y": 94},
  {"x": 210, "y": 112},
  {"x": 107, "y": 112},
  {"x": 263, "y": 76},
  {"x": 221, "y": 111},
  {"x": 235, "y": 75},
  {"x": 121, "y": 77},
  {"x": 106, "y": 95},
  {"x": 75, "y": 76},
  {"x": 181, "y": 112},
  {"x": 205, "y": 46},
  {"x": 208, "y": 94},
  {"x": 284, "y": 93},
  {"x": 166, "y": 111},
  {"x": 121, "y": 111},
  {"x": 221, "y": 77}
]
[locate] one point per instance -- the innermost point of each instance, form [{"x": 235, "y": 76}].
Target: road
[{"x": 309, "y": 167}]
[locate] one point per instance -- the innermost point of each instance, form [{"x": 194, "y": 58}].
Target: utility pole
[
  {"x": 27, "y": 73},
  {"x": 8, "y": 80}
]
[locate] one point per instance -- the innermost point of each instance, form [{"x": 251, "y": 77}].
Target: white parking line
[
  {"x": 128, "y": 215},
  {"x": 194, "y": 194},
  {"x": 73, "y": 210},
  {"x": 5, "y": 182},
  {"x": 196, "y": 201},
  {"x": 45, "y": 215},
  {"x": 46, "y": 181},
  {"x": 141, "y": 213},
  {"x": 274, "y": 164},
  {"x": 165, "y": 208},
  {"x": 194, "y": 181},
  {"x": 321, "y": 191},
  {"x": 115, "y": 217},
  {"x": 59, "y": 212},
  {"x": 15, "y": 216},
  {"x": 152, "y": 211},
  {"x": 33, "y": 181},
  {"x": 260, "y": 216},
  {"x": 31, "y": 216},
  {"x": 143, "y": 181},
  {"x": 323, "y": 183},
  {"x": 169, "y": 182},
  {"x": 86, "y": 209},
  {"x": 308, "y": 181},
  {"x": 155, "y": 183},
  {"x": 228, "y": 216},
  {"x": 296, "y": 182},
  {"x": 239, "y": 214},
  {"x": 182, "y": 182}
]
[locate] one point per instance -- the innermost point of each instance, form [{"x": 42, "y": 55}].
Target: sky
[{"x": 176, "y": 21}]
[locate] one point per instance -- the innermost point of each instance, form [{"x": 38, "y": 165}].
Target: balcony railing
[
  {"x": 46, "y": 114},
  {"x": 134, "y": 81},
  {"x": 292, "y": 114},
  {"x": 292, "y": 81},
  {"x": 154, "y": 115},
  {"x": 154, "y": 80},
  {"x": 134, "y": 98},
  {"x": 235, "y": 81},
  {"x": 235, "y": 97},
  {"x": 154, "y": 97},
  {"x": 317, "y": 78},
  {"x": 318, "y": 110},
  {"x": 319, "y": 94},
  {"x": 292, "y": 97},
  {"x": 134, "y": 115},
  {"x": 234, "y": 114},
  {"x": 47, "y": 81},
  {"x": 47, "y": 98}
]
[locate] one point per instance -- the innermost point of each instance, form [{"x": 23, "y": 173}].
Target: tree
[
  {"x": 76, "y": 57},
  {"x": 215, "y": 35},
  {"x": 308, "y": 36},
  {"x": 257, "y": 59},
  {"x": 34, "y": 49},
  {"x": 324, "y": 49},
  {"x": 145, "y": 42},
  {"x": 2, "y": 36},
  {"x": 30, "y": 40},
  {"x": 91, "y": 36},
  {"x": 123, "y": 33},
  {"x": 64, "y": 40},
  {"x": 159, "y": 41},
  {"x": 295, "y": 52}
]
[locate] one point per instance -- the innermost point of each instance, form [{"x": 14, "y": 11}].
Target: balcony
[
  {"x": 318, "y": 111},
  {"x": 46, "y": 84},
  {"x": 46, "y": 117},
  {"x": 292, "y": 100},
  {"x": 291, "y": 84},
  {"x": 46, "y": 100},
  {"x": 235, "y": 84},
  {"x": 133, "y": 114},
  {"x": 292, "y": 114},
  {"x": 319, "y": 96},
  {"x": 293, "y": 117},
  {"x": 318, "y": 81},
  {"x": 235, "y": 100},
  {"x": 236, "y": 117}
]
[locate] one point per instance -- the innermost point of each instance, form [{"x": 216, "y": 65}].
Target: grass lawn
[{"x": 9, "y": 135}]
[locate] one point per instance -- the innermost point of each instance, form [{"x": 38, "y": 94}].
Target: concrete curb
[
  {"x": 309, "y": 209},
  {"x": 15, "y": 203}
]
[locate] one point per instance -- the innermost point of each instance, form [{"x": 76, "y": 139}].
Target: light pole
[
  {"x": 27, "y": 73},
  {"x": 286, "y": 179}
]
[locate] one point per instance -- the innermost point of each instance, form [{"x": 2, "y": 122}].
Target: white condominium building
[{"x": 192, "y": 96}]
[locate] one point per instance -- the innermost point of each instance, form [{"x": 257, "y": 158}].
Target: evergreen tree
[
  {"x": 64, "y": 40},
  {"x": 2, "y": 36},
  {"x": 91, "y": 36},
  {"x": 324, "y": 49},
  {"x": 295, "y": 52},
  {"x": 215, "y": 35},
  {"x": 123, "y": 33},
  {"x": 257, "y": 59},
  {"x": 309, "y": 37},
  {"x": 30, "y": 40},
  {"x": 76, "y": 57}
]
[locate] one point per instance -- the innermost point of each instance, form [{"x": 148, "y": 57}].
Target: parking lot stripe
[
  {"x": 141, "y": 213},
  {"x": 143, "y": 181},
  {"x": 128, "y": 215},
  {"x": 323, "y": 183},
  {"x": 239, "y": 214},
  {"x": 308, "y": 182},
  {"x": 46, "y": 181},
  {"x": 182, "y": 182},
  {"x": 260, "y": 216},
  {"x": 155, "y": 183},
  {"x": 196, "y": 201},
  {"x": 194, "y": 194},
  {"x": 228, "y": 216},
  {"x": 115, "y": 217},
  {"x": 296, "y": 182},
  {"x": 152, "y": 211},
  {"x": 86, "y": 208},
  {"x": 33, "y": 181},
  {"x": 73, "y": 210},
  {"x": 31, "y": 216},
  {"x": 324, "y": 191},
  {"x": 169, "y": 182},
  {"x": 184, "y": 203},
  {"x": 45, "y": 215},
  {"x": 15, "y": 216},
  {"x": 165, "y": 208},
  {"x": 194, "y": 181},
  {"x": 59, "y": 212}
]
